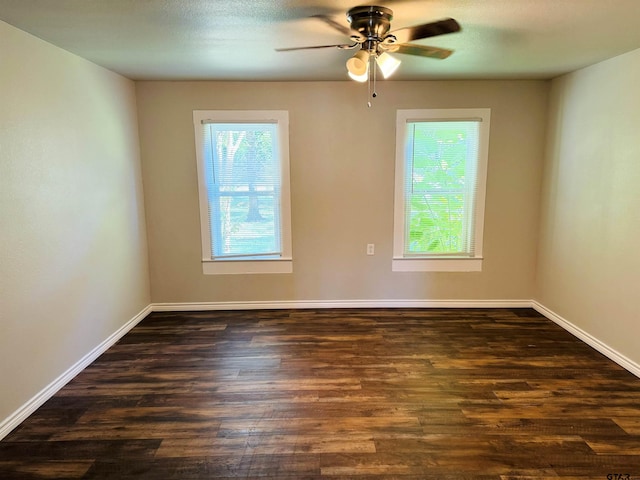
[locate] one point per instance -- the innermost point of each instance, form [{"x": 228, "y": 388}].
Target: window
[
  {"x": 243, "y": 183},
  {"x": 441, "y": 165}
]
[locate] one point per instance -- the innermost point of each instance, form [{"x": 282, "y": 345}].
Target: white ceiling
[{"x": 235, "y": 39}]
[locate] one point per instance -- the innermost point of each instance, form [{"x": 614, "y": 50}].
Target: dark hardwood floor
[{"x": 340, "y": 394}]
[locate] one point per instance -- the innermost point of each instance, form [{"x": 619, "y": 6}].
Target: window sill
[
  {"x": 241, "y": 267},
  {"x": 437, "y": 264}
]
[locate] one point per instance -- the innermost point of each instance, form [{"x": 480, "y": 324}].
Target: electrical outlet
[{"x": 371, "y": 249}]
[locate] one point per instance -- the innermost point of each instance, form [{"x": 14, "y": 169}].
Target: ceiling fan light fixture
[
  {"x": 387, "y": 64},
  {"x": 370, "y": 30},
  {"x": 358, "y": 64},
  {"x": 360, "y": 78}
]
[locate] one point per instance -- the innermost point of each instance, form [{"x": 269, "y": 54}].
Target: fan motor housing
[{"x": 370, "y": 21}]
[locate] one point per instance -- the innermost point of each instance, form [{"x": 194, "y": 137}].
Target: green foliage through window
[{"x": 439, "y": 186}]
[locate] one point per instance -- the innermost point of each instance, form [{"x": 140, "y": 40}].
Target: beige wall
[
  {"x": 342, "y": 169},
  {"x": 73, "y": 251},
  {"x": 589, "y": 261}
]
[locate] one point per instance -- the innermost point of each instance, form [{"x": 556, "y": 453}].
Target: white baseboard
[
  {"x": 8, "y": 424},
  {"x": 303, "y": 304},
  {"x": 589, "y": 339}
]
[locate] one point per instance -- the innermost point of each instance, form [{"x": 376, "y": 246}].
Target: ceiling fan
[{"x": 369, "y": 28}]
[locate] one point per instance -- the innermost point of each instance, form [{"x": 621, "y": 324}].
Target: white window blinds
[
  {"x": 242, "y": 172},
  {"x": 440, "y": 187},
  {"x": 243, "y": 189}
]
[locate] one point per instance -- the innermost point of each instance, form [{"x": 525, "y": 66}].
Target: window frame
[
  {"x": 439, "y": 262},
  {"x": 220, "y": 265}
]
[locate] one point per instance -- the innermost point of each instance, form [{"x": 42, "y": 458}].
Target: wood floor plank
[{"x": 491, "y": 394}]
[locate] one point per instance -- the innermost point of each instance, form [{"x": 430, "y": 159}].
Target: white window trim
[
  {"x": 400, "y": 263},
  {"x": 284, "y": 264}
]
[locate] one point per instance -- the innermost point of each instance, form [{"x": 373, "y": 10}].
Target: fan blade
[
  {"x": 420, "y": 50},
  {"x": 342, "y": 46},
  {"x": 441, "y": 27},
  {"x": 343, "y": 29}
]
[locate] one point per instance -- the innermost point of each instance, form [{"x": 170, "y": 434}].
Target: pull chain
[
  {"x": 369, "y": 80},
  {"x": 375, "y": 75},
  {"x": 372, "y": 79}
]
